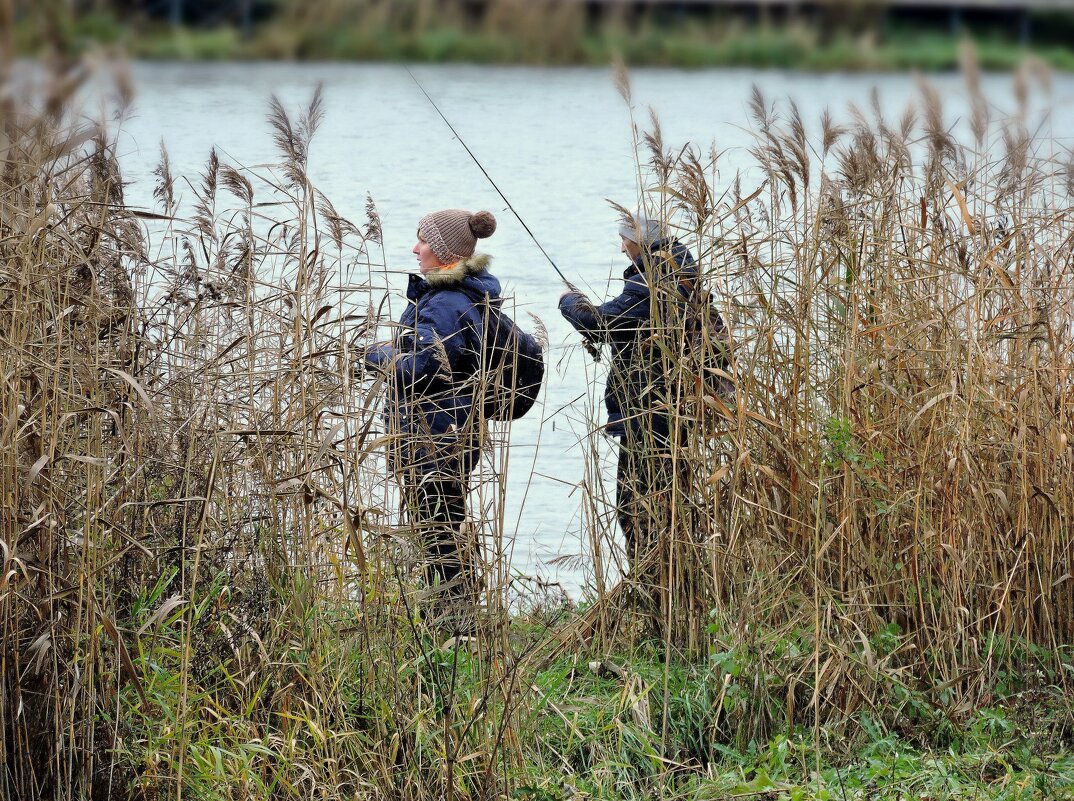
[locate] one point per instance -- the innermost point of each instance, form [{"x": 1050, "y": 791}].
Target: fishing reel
[{"x": 592, "y": 348}]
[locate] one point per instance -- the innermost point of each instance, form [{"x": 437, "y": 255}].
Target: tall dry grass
[
  {"x": 206, "y": 590},
  {"x": 883, "y": 503}
]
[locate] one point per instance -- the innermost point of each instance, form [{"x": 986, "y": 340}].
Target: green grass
[
  {"x": 646, "y": 728},
  {"x": 188, "y": 44},
  {"x": 695, "y": 45},
  {"x": 595, "y": 743},
  {"x": 634, "y": 724}
]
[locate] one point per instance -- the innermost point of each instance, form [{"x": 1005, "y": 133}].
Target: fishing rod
[
  {"x": 489, "y": 177},
  {"x": 590, "y": 346}
]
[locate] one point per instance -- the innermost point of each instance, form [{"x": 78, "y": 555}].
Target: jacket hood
[
  {"x": 470, "y": 275},
  {"x": 662, "y": 249},
  {"x": 460, "y": 271},
  {"x": 672, "y": 261}
]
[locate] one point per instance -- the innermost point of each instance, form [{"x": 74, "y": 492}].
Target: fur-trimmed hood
[
  {"x": 469, "y": 275},
  {"x": 478, "y": 263}
]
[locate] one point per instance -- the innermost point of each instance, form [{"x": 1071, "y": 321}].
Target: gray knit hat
[
  {"x": 453, "y": 233},
  {"x": 640, "y": 229}
]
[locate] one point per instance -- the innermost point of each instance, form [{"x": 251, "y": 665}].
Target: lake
[{"x": 557, "y": 142}]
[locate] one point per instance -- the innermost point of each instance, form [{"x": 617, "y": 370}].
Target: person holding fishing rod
[
  {"x": 456, "y": 362},
  {"x": 661, "y": 277}
]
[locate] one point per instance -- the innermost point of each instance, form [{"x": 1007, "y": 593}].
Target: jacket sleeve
[
  {"x": 432, "y": 349},
  {"x": 623, "y": 311},
  {"x": 380, "y": 355}
]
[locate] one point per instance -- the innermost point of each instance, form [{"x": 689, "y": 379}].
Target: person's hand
[
  {"x": 358, "y": 364},
  {"x": 372, "y": 356}
]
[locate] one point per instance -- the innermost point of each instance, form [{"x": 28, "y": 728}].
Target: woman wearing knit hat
[
  {"x": 661, "y": 270},
  {"x": 435, "y": 412}
]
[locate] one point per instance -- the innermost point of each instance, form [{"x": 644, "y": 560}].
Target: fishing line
[
  {"x": 489, "y": 177},
  {"x": 590, "y": 346}
]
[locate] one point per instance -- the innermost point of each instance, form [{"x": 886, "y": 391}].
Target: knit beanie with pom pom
[{"x": 453, "y": 233}]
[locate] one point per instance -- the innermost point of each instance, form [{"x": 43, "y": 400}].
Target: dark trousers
[
  {"x": 643, "y": 495},
  {"x": 436, "y": 508}
]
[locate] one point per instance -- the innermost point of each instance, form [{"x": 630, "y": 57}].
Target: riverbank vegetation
[
  {"x": 861, "y": 587},
  {"x": 563, "y": 33}
]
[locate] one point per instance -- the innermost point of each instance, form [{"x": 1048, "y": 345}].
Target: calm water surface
[{"x": 557, "y": 141}]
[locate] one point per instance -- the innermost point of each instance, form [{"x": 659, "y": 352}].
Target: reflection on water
[{"x": 558, "y": 142}]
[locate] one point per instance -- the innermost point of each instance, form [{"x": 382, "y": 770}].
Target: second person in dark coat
[{"x": 660, "y": 276}]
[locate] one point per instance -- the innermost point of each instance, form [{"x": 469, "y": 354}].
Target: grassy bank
[
  {"x": 563, "y": 38},
  {"x": 615, "y": 725},
  {"x": 858, "y": 583}
]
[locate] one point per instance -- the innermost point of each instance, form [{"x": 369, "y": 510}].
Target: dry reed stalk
[
  {"x": 204, "y": 588},
  {"x": 897, "y": 450}
]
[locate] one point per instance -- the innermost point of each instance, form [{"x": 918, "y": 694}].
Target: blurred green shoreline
[{"x": 692, "y": 46}]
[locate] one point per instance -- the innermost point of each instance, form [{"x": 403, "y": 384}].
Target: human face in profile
[{"x": 427, "y": 260}]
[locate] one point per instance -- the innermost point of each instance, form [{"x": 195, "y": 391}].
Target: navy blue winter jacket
[
  {"x": 634, "y": 396},
  {"x": 432, "y": 362}
]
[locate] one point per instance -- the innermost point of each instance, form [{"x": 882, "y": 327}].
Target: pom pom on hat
[{"x": 482, "y": 224}]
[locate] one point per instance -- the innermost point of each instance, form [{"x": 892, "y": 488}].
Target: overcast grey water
[{"x": 558, "y": 142}]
